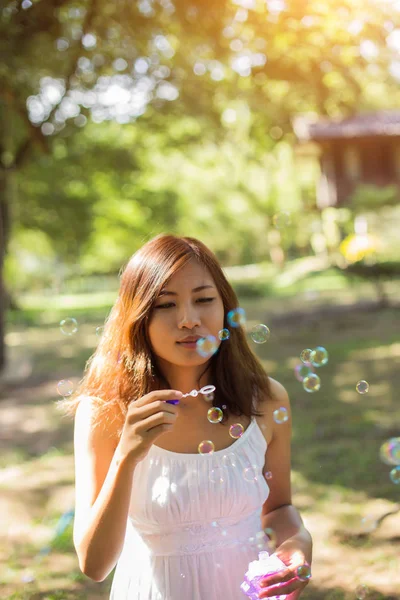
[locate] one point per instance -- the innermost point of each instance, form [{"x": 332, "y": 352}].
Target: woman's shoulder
[
  {"x": 278, "y": 391},
  {"x": 105, "y": 417},
  {"x": 269, "y": 401},
  {"x": 275, "y": 395}
]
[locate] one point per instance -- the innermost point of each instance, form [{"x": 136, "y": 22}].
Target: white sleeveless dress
[{"x": 192, "y": 523}]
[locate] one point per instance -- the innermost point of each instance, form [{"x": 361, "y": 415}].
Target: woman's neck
[{"x": 186, "y": 379}]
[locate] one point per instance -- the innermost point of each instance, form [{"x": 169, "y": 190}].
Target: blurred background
[{"x": 270, "y": 130}]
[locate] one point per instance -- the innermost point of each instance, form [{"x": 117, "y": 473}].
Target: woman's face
[{"x": 188, "y": 305}]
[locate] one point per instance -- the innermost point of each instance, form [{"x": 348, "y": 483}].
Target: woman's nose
[{"x": 188, "y": 318}]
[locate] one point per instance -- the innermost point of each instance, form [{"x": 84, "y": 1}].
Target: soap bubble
[
  {"x": 368, "y": 524},
  {"x": 280, "y": 415},
  {"x": 69, "y": 326},
  {"x": 319, "y": 356},
  {"x": 236, "y": 430},
  {"x": 395, "y": 475},
  {"x": 207, "y": 346},
  {"x": 281, "y": 219},
  {"x": 272, "y": 539},
  {"x": 311, "y": 383},
  {"x": 252, "y": 542},
  {"x": 215, "y": 415},
  {"x": 260, "y": 334},
  {"x": 217, "y": 475},
  {"x": 362, "y": 592},
  {"x": 390, "y": 451},
  {"x": 303, "y": 572},
  {"x": 28, "y": 578},
  {"x": 302, "y": 370},
  {"x": 305, "y": 355},
  {"x": 224, "y": 334},
  {"x": 236, "y": 317},
  {"x": 250, "y": 473},
  {"x": 229, "y": 460},
  {"x": 209, "y": 397},
  {"x": 65, "y": 387},
  {"x": 268, "y": 475},
  {"x": 261, "y": 541},
  {"x": 206, "y": 447},
  {"x": 99, "y": 331},
  {"x": 362, "y": 386}
]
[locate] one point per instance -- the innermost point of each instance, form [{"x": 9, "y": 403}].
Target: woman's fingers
[
  {"x": 157, "y": 395},
  {"x": 280, "y": 576},
  {"x": 282, "y": 588}
]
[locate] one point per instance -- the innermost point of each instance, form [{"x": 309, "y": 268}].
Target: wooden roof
[{"x": 380, "y": 123}]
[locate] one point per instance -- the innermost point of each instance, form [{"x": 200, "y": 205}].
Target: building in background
[{"x": 362, "y": 149}]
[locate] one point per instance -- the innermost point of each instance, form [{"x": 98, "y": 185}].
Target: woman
[{"x": 176, "y": 499}]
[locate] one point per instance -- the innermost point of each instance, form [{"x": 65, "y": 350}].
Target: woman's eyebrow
[{"x": 197, "y": 289}]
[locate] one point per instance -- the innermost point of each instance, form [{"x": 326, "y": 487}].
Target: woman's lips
[{"x": 190, "y": 345}]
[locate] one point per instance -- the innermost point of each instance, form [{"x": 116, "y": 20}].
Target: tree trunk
[
  {"x": 383, "y": 299},
  {"x": 4, "y": 232}
]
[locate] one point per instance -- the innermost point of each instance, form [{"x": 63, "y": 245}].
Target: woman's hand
[
  {"x": 287, "y": 580},
  {"x": 147, "y": 418}
]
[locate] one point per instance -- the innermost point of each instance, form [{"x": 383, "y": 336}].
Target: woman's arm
[
  {"x": 293, "y": 541},
  {"x": 103, "y": 487},
  {"x": 101, "y": 542},
  {"x": 287, "y": 524}
]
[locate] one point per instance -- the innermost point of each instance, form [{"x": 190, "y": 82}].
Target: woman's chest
[{"x": 188, "y": 433}]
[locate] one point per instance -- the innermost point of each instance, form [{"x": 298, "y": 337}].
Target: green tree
[
  {"x": 64, "y": 62},
  {"x": 373, "y": 251}
]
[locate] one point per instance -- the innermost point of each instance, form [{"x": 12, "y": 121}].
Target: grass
[
  {"x": 308, "y": 277},
  {"x": 337, "y": 480}
]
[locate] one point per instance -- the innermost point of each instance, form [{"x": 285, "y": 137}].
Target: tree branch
[{"x": 91, "y": 12}]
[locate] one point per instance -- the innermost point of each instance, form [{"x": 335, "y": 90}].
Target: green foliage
[
  {"x": 380, "y": 270},
  {"x": 31, "y": 261},
  {"x": 252, "y": 289},
  {"x": 212, "y": 192},
  {"x": 125, "y": 120},
  {"x": 369, "y": 197},
  {"x": 64, "y": 541}
]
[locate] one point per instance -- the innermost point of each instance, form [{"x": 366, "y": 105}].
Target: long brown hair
[{"x": 123, "y": 368}]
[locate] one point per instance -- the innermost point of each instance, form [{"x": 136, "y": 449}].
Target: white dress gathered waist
[
  {"x": 194, "y": 523},
  {"x": 199, "y": 537}
]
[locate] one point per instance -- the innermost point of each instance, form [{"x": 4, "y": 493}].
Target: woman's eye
[{"x": 169, "y": 304}]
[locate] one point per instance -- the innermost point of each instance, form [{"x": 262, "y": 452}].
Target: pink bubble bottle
[{"x": 258, "y": 569}]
